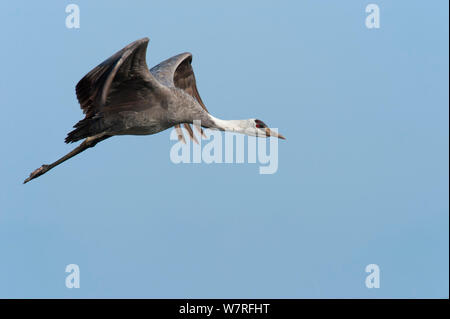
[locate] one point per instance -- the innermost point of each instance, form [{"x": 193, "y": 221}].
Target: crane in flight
[{"x": 121, "y": 96}]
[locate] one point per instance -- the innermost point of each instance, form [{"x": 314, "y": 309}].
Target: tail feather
[{"x": 84, "y": 129}]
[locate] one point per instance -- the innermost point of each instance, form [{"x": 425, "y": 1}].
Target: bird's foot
[{"x": 37, "y": 172}]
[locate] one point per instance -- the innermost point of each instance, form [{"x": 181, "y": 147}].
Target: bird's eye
[{"x": 260, "y": 124}]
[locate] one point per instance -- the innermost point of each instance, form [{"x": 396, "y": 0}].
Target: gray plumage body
[{"x": 153, "y": 116}]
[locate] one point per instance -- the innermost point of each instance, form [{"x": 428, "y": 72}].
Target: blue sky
[{"x": 362, "y": 176}]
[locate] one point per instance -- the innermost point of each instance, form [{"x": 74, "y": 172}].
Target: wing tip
[{"x": 144, "y": 39}]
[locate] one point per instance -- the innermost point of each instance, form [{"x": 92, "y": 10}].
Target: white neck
[{"x": 238, "y": 126}]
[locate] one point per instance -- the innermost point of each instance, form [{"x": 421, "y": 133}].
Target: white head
[
  {"x": 262, "y": 129},
  {"x": 252, "y": 127}
]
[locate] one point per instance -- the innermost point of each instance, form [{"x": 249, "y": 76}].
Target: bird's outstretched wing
[
  {"x": 98, "y": 91},
  {"x": 177, "y": 72}
]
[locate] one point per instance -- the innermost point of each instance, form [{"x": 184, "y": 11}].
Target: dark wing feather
[
  {"x": 124, "y": 69},
  {"x": 177, "y": 72},
  {"x": 184, "y": 78}
]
